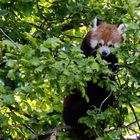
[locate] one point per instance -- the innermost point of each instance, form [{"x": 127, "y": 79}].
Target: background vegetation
[{"x": 41, "y": 62}]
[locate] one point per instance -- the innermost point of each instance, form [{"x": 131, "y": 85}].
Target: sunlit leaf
[{"x": 11, "y": 75}]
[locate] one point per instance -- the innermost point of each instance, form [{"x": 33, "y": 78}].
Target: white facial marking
[
  {"x": 117, "y": 45},
  {"x": 109, "y": 43},
  {"x": 104, "y": 51},
  {"x": 101, "y": 43},
  {"x": 93, "y": 43}
]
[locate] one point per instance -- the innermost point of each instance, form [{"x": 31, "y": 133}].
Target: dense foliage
[{"x": 41, "y": 62}]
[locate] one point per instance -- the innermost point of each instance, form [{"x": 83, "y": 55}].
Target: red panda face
[{"x": 106, "y": 36}]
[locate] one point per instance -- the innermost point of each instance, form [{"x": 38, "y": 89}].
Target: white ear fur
[
  {"x": 94, "y": 21},
  {"x": 117, "y": 45},
  {"x": 122, "y": 28}
]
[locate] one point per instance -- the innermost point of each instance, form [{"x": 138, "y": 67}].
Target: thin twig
[
  {"x": 124, "y": 126},
  {"x": 22, "y": 113},
  {"x": 133, "y": 110},
  {"x": 132, "y": 123},
  {"x": 119, "y": 82},
  {"x": 97, "y": 133},
  {"x": 133, "y": 130},
  {"x": 105, "y": 100},
  {"x": 29, "y": 128},
  {"x": 9, "y": 38}
]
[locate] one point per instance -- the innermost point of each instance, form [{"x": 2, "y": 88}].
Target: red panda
[
  {"x": 103, "y": 37},
  {"x": 100, "y": 38}
]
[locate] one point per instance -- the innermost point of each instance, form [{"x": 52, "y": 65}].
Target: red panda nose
[{"x": 104, "y": 53}]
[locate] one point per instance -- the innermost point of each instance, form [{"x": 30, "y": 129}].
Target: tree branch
[
  {"x": 124, "y": 126},
  {"x": 9, "y": 38},
  {"x": 55, "y": 130},
  {"x": 22, "y": 113},
  {"x": 68, "y": 26},
  {"x": 29, "y": 128},
  {"x": 137, "y": 120}
]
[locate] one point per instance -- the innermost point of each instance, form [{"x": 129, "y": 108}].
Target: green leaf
[
  {"x": 27, "y": 1},
  {"x": 44, "y": 49},
  {"x": 3, "y": 12},
  {"x": 8, "y": 99},
  {"x": 95, "y": 66},
  {"x": 28, "y": 52},
  {"x": 27, "y": 8},
  {"x": 4, "y": 1},
  {"x": 2, "y": 89},
  {"x": 52, "y": 42},
  {"x": 11, "y": 63},
  {"x": 11, "y": 75},
  {"x": 35, "y": 61},
  {"x": 40, "y": 68},
  {"x": 7, "y": 42},
  {"x": 133, "y": 26},
  {"x": 31, "y": 39}
]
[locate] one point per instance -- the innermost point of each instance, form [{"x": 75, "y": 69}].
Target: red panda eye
[
  {"x": 100, "y": 44},
  {"x": 110, "y": 45}
]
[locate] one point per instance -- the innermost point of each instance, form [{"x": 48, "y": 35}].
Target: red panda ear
[
  {"x": 122, "y": 28},
  {"x": 99, "y": 21},
  {"x": 96, "y": 22}
]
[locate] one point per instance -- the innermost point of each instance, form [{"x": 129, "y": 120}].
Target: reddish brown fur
[{"x": 106, "y": 32}]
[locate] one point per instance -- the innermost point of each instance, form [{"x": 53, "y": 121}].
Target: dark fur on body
[{"x": 75, "y": 106}]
